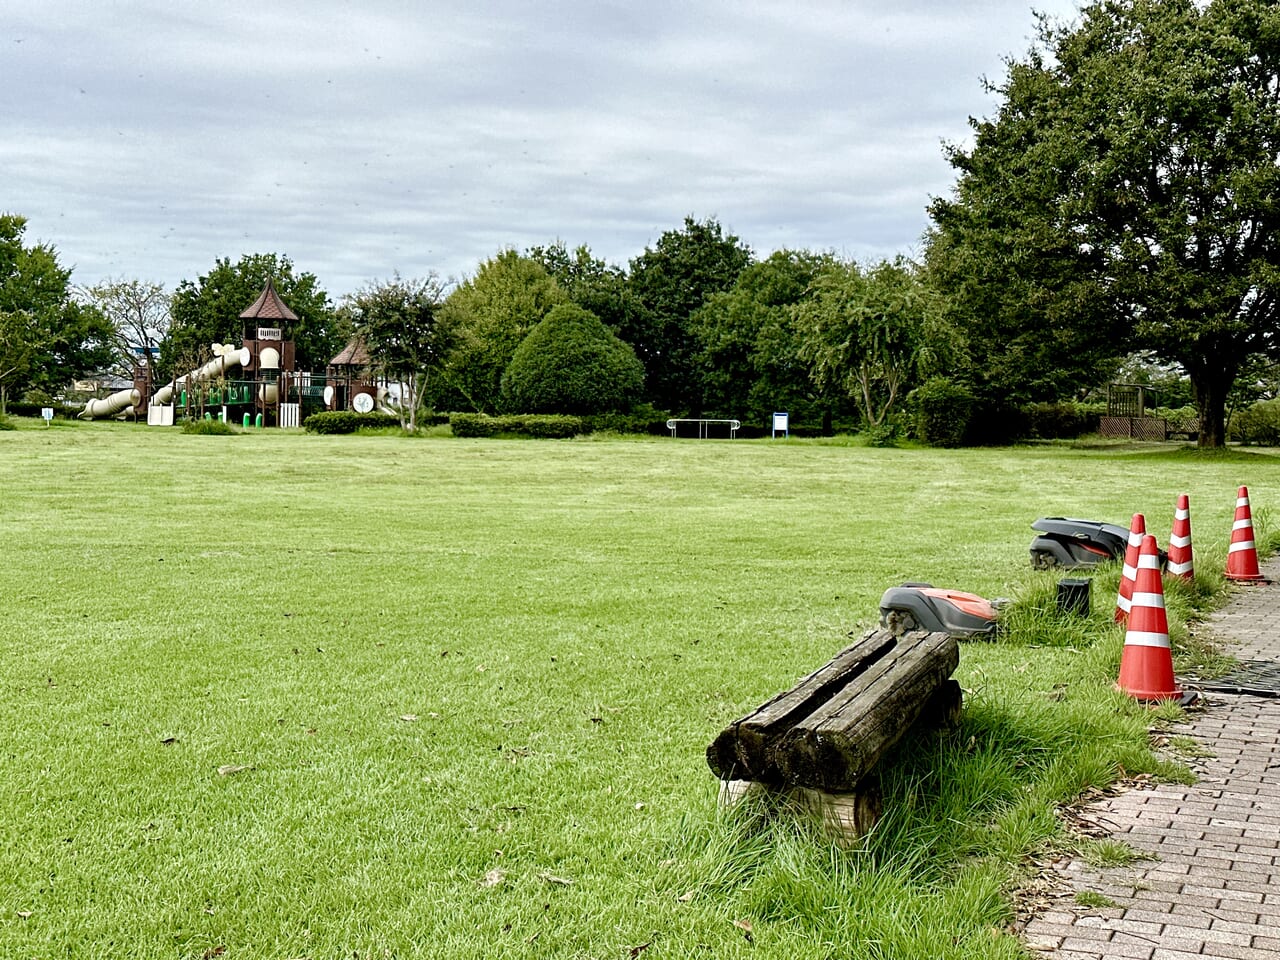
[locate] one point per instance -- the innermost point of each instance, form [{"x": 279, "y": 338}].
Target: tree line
[{"x": 1117, "y": 215}]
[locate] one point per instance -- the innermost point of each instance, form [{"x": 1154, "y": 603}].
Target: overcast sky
[{"x": 148, "y": 139}]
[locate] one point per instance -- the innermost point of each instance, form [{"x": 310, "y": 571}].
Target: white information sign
[{"x": 781, "y": 423}]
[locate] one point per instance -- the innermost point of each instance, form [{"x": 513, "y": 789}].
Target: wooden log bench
[{"x": 818, "y": 742}]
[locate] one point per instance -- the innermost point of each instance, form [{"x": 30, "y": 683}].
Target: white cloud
[{"x": 149, "y": 139}]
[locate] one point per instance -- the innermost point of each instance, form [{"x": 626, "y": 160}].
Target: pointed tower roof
[
  {"x": 354, "y": 354},
  {"x": 268, "y": 306}
]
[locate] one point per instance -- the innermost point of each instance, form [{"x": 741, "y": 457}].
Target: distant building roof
[
  {"x": 268, "y": 306},
  {"x": 354, "y": 354}
]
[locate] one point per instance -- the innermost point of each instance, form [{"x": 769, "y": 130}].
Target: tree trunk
[{"x": 1210, "y": 388}]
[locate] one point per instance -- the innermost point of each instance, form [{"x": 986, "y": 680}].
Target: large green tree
[
  {"x": 46, "y": 337},
  {"x": 397, "y": 319},
  {"x": 872, "y": 333},
  {"x": 208, "y": 310},
  {"x": 748, "y": 347},
  {"x": 590, "y": 282},
  {"x": 482, "y": 322},
  {"x": 138, "y": 311},
  {"x": 671, "y": 280},
  {"x": 1132, "y": 179}
]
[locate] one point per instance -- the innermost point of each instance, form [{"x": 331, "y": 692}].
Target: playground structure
[{"x": 256, "y": 383}]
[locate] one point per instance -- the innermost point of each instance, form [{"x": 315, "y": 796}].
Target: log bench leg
[{"x": 844, "y": 816}]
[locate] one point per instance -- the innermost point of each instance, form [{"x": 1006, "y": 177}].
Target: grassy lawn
[{"x": 277, "y": 695}]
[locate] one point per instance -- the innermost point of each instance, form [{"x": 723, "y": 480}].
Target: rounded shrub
[
  {"x": 572, "y": 363},
  {"x": 943, "y": 409}
]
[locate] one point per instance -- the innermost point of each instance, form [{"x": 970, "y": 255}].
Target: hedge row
[
  {"x": 347, "y": 421},
  {"x": 543, "y": 426},
  {"x": 24, "y": 408}
]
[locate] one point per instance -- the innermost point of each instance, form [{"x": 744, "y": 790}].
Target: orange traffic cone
[
  {"x": 1180, "y": 563},
  {"x": 1242, "y": 555},
  {"x": 1137, "y": 530},
  {"x": 1146, "y": 665}
]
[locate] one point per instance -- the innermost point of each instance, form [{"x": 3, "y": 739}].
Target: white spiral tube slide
[
  {"x": 215, "y": 367},
  {"x": 111, "y": 405}
]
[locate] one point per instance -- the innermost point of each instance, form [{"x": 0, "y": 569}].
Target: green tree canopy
[
  {"x": 208, "y": 310},
  {"x": 46, "y": 338},
  {"x": 397, "y": 320},
  {"x": 748, "y": 345},
  {"x": 589, "y": 282},
  {"x": 1132, "y": 180},
  {"x": 871, "y": 334},
  {"x": 138, "y": 312},
  {"x": 483, "y": 321},
  {"x": 572, "y": 363},
  {"x": 670, "y": 281}
]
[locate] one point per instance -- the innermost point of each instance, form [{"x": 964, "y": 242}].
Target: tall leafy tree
[
  {"x": 46, "y": 337},
  {"x": 138, "y": 311},
  {"x": 589, "y": 282},
  {"x": 1133, "y": 170},
  {"x": 208, "y": 310},
  {"x": 397, "y": 319},
  {"x": 671, "y": 280},
  {"x": 872, "y": 334},
  {"x": 482, "y": 322},
  {"x": 748, "y": 348}
]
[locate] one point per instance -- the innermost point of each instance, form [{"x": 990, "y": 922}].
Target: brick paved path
[{"x": 1212, "y": 889}]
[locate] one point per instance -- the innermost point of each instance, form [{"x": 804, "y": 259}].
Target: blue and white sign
[{"x": 781, "y": 424}]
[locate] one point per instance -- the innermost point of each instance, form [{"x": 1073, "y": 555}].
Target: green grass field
[{"x": 277, "y": 695}]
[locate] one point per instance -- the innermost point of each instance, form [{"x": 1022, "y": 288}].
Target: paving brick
[{"x": 1212, "y": 889}]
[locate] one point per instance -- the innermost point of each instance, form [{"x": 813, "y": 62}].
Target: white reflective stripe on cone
[
  {"x": 1182, "y": 514},
  {"x": 1242, "y": 545},
  {"x": 1148, "y": 600},
  {"x": 1128, "y": 572},
  {"x": 1180, "y": 567},
  {"x": 1143, "y": 638},
  {"x": 1124, "y": 603},
  {"x": 1242, "y": 501},
  {"x": 1149, "y": 562},
  {"x": 1242, "y": 524},
  {"x": 1179, "y": 541}
]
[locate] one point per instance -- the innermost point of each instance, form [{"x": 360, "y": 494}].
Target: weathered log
[
  {"x": 743, "y": 750},
  {"x": 836, "y": 745}
]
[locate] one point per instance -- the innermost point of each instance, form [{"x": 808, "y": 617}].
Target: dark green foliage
[
  {"x": 942, "y": 412},
  {"x": 1258, "y": 424},
  {"x": 480, "y": 325},
  {"x": 396, "y": 318},
  {"x": 642, "y": 418},
  {"x": 541, "y": 426},
  {"x": 572, "y": 363},
  {"x": 1125, "y": 197},
  {"x": 208, "y": 311},
  {"x": 670, "y": 281},
  {"x": 871, "y": 334},
  {"x": 590, "y": 282},
  {"x": 61, "y": 411},
  {"x": 348, "y": 421},
  {"x": 209, "y": 428},
  {"x": 46, "y": 337},
  {"x": 6, "y": 423},
  {"x": 748, "y": 345},
  {"x": 1061, "y": 420}
]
